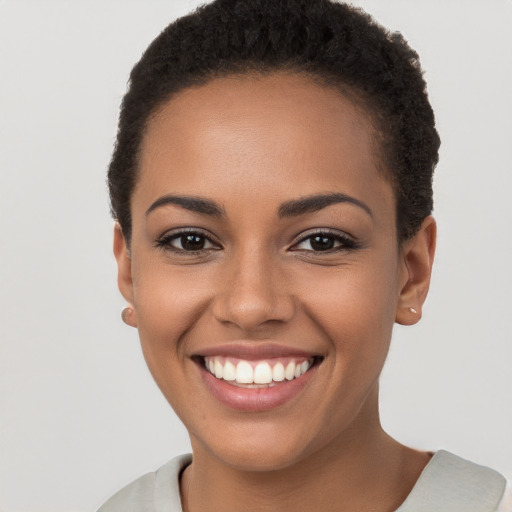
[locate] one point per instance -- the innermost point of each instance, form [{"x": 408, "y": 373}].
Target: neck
[{"x": 363, "y": 469}]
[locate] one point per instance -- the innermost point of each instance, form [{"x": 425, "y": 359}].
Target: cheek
[
  {"x": 355, "y": 307},
  {"x": 168, "y": 302}
]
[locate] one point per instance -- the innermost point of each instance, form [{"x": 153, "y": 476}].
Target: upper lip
[{"x": 254, "y": 351}]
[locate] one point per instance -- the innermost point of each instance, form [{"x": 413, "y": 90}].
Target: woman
[{"x": 271, "y": 185}]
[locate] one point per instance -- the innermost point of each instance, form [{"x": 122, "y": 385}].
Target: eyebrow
[
  {"x": 317, "y": 202},
  {"x": 292, "y": 208},
  {"x": 194, "y": 204}
]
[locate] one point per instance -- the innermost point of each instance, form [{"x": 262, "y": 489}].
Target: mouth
[
  {"x": 254, "y": 380},
  {"x": 257, "y": 374}
]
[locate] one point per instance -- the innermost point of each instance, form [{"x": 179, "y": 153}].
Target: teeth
[
  {"x": 278, "y": 372},
  {"x": 244, "y": 373},
  {"x": 289, "y": 373},
  {"x": 219, "y": 370},
  {"x": 229, "y": 372},
  {"x": 262, "y": 373},
  {"x": 256, "y": 372}
]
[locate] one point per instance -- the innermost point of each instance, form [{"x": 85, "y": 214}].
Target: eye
[
  {"x": 325, "y": 241},
  {"x": 186, "y": 241}
]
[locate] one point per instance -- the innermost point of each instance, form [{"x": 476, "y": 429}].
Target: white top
[{"x": 447, "y": 484}]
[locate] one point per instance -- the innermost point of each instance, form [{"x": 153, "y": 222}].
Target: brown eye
[
  {"x": 325, "y": 242},
  {"x": 192, "y": 242},
  {"x": 188, "y": 241},
  {"x": 322, "y": 242}
]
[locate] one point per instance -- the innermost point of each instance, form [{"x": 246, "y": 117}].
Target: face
[{"x": 264, "y": 250}]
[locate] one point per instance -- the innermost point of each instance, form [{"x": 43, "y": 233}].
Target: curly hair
[{"x": 333, "y": 43}]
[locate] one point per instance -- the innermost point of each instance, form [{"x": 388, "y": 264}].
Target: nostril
[
  {"x": 252, "y": 304},
  {"x": 252, "y": 311}
]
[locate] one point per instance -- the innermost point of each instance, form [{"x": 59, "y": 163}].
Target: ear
[
  {"x": 124, "y": 273},
  {"x": 417, "y": 256}
]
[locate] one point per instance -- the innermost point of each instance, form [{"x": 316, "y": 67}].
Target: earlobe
[
  {"x": 417, "y": 257},
  {"x": 124, "y": 275},
  {"x": 128, "y": 316}
]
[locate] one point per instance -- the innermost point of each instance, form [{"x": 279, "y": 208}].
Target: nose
[{"x": 255, "y": 293}]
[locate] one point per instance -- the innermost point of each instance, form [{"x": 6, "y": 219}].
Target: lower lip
[{"x": 255, "y": 399}]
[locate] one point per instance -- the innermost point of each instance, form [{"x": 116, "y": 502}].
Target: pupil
[
  {"x": 192, "y": 242},
  {"x": 322, "y": 243}
]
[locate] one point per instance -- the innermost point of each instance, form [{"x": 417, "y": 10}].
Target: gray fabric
[
  {"x": 154, "y": 492},
  {"x": 447, "y": 484},
  {"x": 451, "y": 484}
]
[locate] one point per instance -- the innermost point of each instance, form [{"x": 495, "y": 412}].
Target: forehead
[{"x": 279, "y": 134}]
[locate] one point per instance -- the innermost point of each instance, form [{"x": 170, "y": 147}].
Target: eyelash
[
  {"x": 164, "y": 242},
  {"x": 346, "y": 243}
]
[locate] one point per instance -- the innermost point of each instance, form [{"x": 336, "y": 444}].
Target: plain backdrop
[{"x": 80, "y": 414}]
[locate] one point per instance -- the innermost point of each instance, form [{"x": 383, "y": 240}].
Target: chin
[
  {"x": 260, "y": 448},
  {"x": 258, "y": 459}
]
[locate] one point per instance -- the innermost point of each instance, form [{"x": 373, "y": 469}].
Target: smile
[
  {"x": 256, "y": 374},
  {"x": 256, "y": 377}
]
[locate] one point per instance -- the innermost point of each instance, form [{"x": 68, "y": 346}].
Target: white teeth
[
  {"x": 278, "y": 372},
  {"x": 229, "y": 371},
  {"x": 289, "y": 373},
  {"x": 262, "y": 372},
  {"x": 244, "y": 373},
  {"x": 219, "y": 370}
]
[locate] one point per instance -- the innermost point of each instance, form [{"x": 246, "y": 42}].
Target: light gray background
[{"x": 80, "y": 415}]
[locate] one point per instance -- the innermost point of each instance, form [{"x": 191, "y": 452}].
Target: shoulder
[
  {"x": 449, "y": 483},
  {"x": 153, "y": 492}
]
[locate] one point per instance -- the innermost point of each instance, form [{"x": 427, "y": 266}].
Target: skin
[{"x": 251, "y": 144}]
